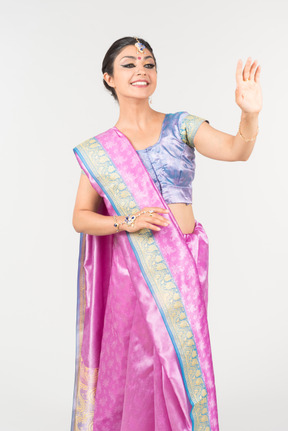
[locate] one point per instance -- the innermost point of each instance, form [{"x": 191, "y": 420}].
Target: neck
[{"x": 135, "y": 114}]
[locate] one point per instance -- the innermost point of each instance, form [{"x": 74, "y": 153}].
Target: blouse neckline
[{"x": 150, "y": 146}]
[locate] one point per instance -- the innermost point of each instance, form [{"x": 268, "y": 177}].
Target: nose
[{"x": 141, "y": 70}]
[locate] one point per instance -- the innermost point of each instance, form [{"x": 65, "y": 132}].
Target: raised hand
[{"x": 248, "y": 93}]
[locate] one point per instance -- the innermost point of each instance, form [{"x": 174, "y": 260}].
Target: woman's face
[{"x": 130, "y": 67}]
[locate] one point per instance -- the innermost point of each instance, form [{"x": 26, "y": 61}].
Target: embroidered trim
[
  {"x": 84, "y": 410},
  {"x": 189, "y": 127}
]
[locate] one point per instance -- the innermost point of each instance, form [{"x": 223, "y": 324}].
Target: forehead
[{"x": 131, "y": 50}]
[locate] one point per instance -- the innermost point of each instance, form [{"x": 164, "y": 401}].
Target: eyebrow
[{"x": 134, "y": 58}]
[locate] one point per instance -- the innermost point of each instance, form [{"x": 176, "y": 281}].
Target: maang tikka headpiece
[{"x": 140, "y": 46}]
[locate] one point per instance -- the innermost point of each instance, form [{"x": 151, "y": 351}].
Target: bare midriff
[{"x": 184, "y": 216}]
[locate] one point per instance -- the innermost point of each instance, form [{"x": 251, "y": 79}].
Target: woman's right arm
[
  {"x": 85, "y": 216},
  {"x": 87, "y": 220}
]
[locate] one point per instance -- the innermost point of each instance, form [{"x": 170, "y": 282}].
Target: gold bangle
[
  {"x": 116, "y": 224},
  {"x": 248, "y": 140}
]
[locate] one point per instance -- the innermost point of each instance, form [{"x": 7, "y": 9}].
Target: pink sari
[{"x": 143, "y": 355}]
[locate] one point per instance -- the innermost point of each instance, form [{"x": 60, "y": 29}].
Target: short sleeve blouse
[{"x": 171, "y": 160}]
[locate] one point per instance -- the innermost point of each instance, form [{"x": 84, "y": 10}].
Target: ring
[{"x": 151, "y": 215}]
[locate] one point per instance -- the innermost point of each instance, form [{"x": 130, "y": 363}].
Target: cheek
[
  {"x": 124, "y": 77},
  {"x": 154, "y": 74},
  {"x": 154, "y": 78},
  {"x": 120, "y": 72}
]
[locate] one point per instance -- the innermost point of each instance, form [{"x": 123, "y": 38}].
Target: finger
[
  {"x": 157, "y": 220},
  {"x": 155, "y": 210},
  {"x": 257, "y": 74},
  {"x": 152, "y": 226},
  {"x": 158, "y": 209},
  {"x": 246, "y": 71},
  {"x": 155, "y": 215},
  {"x": 239, "y": 73},
  {"x": 252, "y": 70}
]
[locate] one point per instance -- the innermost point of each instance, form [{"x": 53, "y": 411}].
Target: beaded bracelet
[{"x": 116, "y": 224}]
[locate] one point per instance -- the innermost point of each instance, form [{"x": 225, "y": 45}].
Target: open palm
[{"x": 248, "y": 93}]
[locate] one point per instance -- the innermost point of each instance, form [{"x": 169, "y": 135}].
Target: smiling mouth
[{"x": 140, "y": 84}]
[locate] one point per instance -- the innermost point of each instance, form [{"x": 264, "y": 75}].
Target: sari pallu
[{"x": 143, "y": 355}]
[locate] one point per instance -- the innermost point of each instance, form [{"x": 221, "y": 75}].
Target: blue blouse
[{"x": 171, "y": 161}]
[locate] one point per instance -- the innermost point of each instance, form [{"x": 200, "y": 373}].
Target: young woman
[{"x": 143, "y": 359}]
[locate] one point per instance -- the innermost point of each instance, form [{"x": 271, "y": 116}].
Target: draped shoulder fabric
[{"x": 143, "y": 355}]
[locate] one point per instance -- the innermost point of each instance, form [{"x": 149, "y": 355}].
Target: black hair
[{"x": 111, "y": 54}]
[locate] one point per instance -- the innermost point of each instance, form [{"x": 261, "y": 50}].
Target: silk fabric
[{"x": 143, "y": 358}]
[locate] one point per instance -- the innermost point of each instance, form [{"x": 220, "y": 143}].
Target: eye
[{"x": 130, "y": 65}]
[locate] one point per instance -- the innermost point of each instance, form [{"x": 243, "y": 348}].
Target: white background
[{"x": 52, "y": 98}]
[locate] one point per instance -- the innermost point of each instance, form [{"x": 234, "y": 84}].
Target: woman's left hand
[{"x": 248, "y": 93}]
